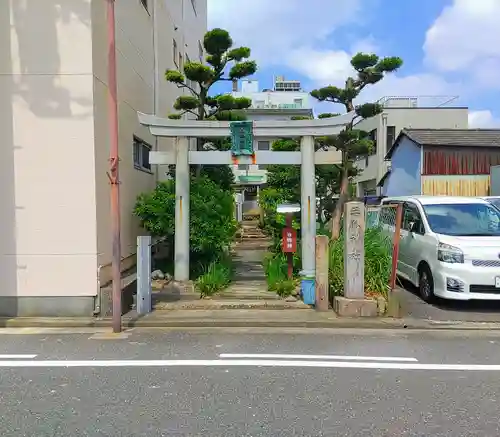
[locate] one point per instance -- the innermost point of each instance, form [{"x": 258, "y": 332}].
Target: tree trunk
[
  {"x": 339, "y": 207},
  {"x": 199, "y": 141}
]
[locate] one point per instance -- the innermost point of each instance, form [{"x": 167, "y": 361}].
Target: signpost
[{"x": 289, "y": 236}]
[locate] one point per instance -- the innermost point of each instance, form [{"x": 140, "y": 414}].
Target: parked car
[
  {"x": 449, "y": 246},
  {"x": 494, "y": 200}
]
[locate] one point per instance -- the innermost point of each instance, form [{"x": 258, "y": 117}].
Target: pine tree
[{"x": 370, "y": 69}]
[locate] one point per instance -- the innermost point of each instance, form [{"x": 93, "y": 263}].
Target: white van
[{"x": 449, "y": 246}]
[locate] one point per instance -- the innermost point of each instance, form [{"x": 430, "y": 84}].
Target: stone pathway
[
  {"x": 250, "y": 280},
  {"x": 248, "y": 289}
]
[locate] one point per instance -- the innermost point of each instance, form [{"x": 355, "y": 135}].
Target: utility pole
[{"x": 113, "y": 173}]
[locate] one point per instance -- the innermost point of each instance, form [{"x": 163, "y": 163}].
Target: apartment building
[
  {"x": 55, "y": 242},
  {"x": 285, "y": 100},
  {"x": 432, "y": 112}
]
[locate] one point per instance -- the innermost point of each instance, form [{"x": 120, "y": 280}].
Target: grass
[
  {"x": 216, "y": 277},
  {"x": 378, "y": 262},
  {"x": 276, "y": 270}
]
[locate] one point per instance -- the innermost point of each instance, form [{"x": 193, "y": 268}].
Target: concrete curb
[
  {"x": 202, "y": 304},
  {"x": 242, "y": 322}
]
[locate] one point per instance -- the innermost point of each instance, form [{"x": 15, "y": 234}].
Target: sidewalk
[{"x": 238, "y": 318}]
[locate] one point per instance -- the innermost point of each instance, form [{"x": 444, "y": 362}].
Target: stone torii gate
[{"x": 307, "y": 158}]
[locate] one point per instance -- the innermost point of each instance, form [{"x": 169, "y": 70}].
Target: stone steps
[
  {"x": 247, "y": 290},
  {"x": 213, "y": 304}
]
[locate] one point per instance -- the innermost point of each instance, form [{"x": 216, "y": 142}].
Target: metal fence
[
  {"x": 149, "y": 252},
  {"x": 388, "y": 219}
]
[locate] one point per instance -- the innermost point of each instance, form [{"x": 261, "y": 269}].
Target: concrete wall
[
  {"x": 418, "y": 118},
  {"x": 495, "y": 180},
  {"x": 404, "y": 179},
  {"x": 47, "y": 186}
]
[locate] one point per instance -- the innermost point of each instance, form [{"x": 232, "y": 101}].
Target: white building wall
[
  {"x": 277, "y": 100},
  {"x": 47, "y": 171},
  {"x": 54, "y": 220}
]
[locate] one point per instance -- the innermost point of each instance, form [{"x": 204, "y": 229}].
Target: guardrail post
[{"x": 144, "y": 303}]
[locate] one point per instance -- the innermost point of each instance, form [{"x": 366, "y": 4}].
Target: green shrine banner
[{"x": 241, "y": 138}]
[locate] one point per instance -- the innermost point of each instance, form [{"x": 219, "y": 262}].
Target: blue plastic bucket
[{"x": 308, "y": 292}]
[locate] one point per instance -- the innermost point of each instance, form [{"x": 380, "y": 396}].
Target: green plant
[
  {"x": 215, "y": 278},
  {"x": 378, "y": 263},
  {"x": 353, "y": 143},
  {"x": 223, "y": 63},
  {"x": 285, "y": 288},
  {"x": 275, "y": 268},
  {"x": 212, "y": 223}
]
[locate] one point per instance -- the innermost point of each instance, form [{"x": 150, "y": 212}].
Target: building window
[
  {"x": 145, "y": 4},
  {"x": 297, "y": 103},
  {"x": 193, "y": 3},
  {"x": 373, "y": 137},
  {"x": 141, "y": 155},
  {"x": 175, "y": 52},
  {"x": 263, "y": 145},
  {"x": 391, "y": 137},
  {"x": 200, "y": 51}
]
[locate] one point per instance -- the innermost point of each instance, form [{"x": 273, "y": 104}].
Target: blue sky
[{"x": 449, "y": 47}]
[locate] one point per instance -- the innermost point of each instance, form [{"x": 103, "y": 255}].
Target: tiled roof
[{"x": 450, "y": 138}]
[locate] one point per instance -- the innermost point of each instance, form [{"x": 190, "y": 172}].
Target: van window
[
  {"x": 464, "y": 219},
  {"x": 391, "y": 202},
  {"x": 412, "y": 215}
]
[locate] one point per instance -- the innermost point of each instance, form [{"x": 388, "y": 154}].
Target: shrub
[
  {"x": 285, "y": 288},
  {"x": 215, "y": 278},
  {"x": 378, "y": 263},
  {"x": 212, "y": 223},
  {"x": 276, "y": 270}
]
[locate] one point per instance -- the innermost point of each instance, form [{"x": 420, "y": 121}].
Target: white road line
[
  {"x": 317, "y": 357},
  {"x": 17, "y": 356},
  {"x": 250, "y": 363}
]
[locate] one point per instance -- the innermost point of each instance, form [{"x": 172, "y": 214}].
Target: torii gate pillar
[
  {"x": 308, "y": 205},
  {"x": 182, "y": 213}
]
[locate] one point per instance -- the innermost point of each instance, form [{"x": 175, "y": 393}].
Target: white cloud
[
  {"x": 274, "y": 29},
  {"x": 483, "y": 119},
  {"x": 297, "y": 35},
  {"x": 466, "y": 38},
  {"x": 277, "y": 38}
]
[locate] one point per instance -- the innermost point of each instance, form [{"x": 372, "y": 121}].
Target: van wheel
[{"x": 426, "y": 284}]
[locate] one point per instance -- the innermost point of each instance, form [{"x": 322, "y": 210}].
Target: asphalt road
[
  {"x": 447, "y": 310},
  {"x": 280, "y": 384}
]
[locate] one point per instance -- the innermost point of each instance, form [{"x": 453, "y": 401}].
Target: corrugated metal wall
[
  {"x": 439, "y": 185},
  {"x": 459, "y": 161}
]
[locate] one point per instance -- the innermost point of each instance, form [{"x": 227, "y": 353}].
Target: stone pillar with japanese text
[{"x": 354, "y": 250}]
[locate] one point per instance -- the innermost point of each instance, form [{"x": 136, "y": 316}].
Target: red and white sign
[{"x": 289, "y": 240}]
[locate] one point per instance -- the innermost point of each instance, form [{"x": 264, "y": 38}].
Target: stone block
[
  {"x": 382, "y": 305},
  {"x": 346, "y": 307}
]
